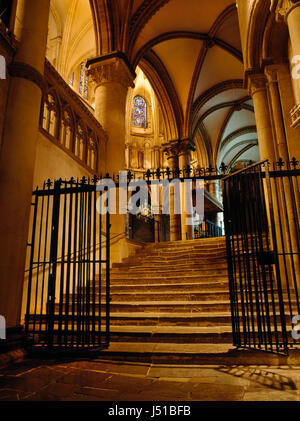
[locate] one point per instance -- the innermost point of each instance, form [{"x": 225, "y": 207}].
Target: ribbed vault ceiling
[{"x": 191, "y": 48}]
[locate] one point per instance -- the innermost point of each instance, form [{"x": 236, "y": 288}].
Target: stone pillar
[
  {"x": 187, "y": 231},
  {"x": 289, "y": 11},
  {"x": 281, "y": 145},
  {"x": 213, "y": 188},
  {"x": 17, "y": 159},
  {"x": 287, "y": 101},
  {"x": 171, "y": 151},
  {"x": 157, "y": 163},
  {"x": 258, "y": 91},
  {"x": 112, "y": 78}
]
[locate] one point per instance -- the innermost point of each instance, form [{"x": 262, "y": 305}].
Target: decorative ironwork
[
  {"x": 68, "y": 277},
  {"x": 261, "y": 210}
]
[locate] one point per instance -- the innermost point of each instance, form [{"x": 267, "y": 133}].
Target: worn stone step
[
  {"x": 194, "y": 354},
  {"x": 164, "y": 265},
  {"x": 171, "y": 319},
  {"x": 190, "y": 256},
  {"x": 172, "y": 274},
  {"x": 211, "y": 285},
  {"x": 171, "y": 287},
  {"x": 150, "y": 319},
  {"x": 201, "y": 242},
  {"x": 220, "y": 334},
  {"x": 179, "y": 253},
  {"x": 165, "y": 279},
  {"x": 158, "y": 267},
  {"x": 150, "y": 296},
  {"x": 159, "y": 306}
]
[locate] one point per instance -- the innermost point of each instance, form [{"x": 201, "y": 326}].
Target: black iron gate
[
  {"x": 68, "y": 281},
  {"x": 261, "y": 210}
]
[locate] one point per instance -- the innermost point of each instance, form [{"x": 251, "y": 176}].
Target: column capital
[
  {"x": 284, "y": 8},
  {"x": 271, "y": 72},
  {"x": 112, "y": 68},
  {"x": 178, "y": 147},
  {"x": 256, "y": 83}
]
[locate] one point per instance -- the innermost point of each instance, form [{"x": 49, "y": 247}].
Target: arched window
[
  {"x": 80, "y": 142},
  {"x": 84, "y": 81},
  {"x": 139, "y": 112},
  {"x": 50, "y": 115},
  {"x": 66, "y": 137}
]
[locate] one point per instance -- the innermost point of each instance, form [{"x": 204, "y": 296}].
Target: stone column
[
  {"x": 187, "y": 231},
  {"x": 287, "y": 101},
  {"x": 171, "y": 150},
  {"x": 113, "y": 77},
  {"x": 157, "y": 163},
  {"x": 258, "y": 90},
  {"x": 281, "y": 145},
  {"x": 17, "y": 159},
  {"x": 289, "y": 11}
]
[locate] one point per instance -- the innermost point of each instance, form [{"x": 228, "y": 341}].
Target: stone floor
[{"x": 98, "y": 380}]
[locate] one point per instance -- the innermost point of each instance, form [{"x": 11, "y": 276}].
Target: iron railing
[
  {"x": 262, "y": 210},
  {"x": 208, "y": 230},
  {"x": 68, "y": 297}
]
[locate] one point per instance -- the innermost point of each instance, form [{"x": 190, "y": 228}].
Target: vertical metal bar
[
  {"x": 283, "y": 249},
  {"x": 42, "y": 323},
  {"x": 62, "y": 271},
  {"x": 53, "y": 263},
  {"x": 70, "y": 225},
  {"x": 253, "y": 214},
  {"x": 230, "y": 257},
  {"x": 264, "y": 238},
  {"x": 38, "y": 266},
  {"x": 27, "y": 318},
  {"x": 74, "y": 286},
  {"x": 94, "y": 207},
  {"x": 107, "y": 277},
  {"x": 238, "y": 231},
  {"x": 249, "y": 180},
  {"x": 88, "y": 271},
  {"x": 100, "y": 273},
  {"x": 79, "y": 278},
  {"x": 277, "y": 268},
  {"x": 84, "y": 255}
]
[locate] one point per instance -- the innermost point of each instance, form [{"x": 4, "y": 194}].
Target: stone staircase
[
  {"x": 172, "y": 297},
  {"x": 170, "y": 305}
]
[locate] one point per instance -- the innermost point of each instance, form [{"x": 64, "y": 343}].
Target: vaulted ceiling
[{"x": 190, "y": 50}]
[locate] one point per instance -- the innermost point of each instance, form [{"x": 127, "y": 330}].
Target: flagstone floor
[{"x": 98, "y": 380}]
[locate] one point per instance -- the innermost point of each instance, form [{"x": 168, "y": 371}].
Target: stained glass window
[
  {"x": 86, "y": 86},
  {"x": 139, "y": 112},
  {"x": 71, "y": 80},
  {"x": 84, "y": 81},
  {"x": 81, "y": 78}
]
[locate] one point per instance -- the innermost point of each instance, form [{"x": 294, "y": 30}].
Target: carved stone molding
[
  {"x": 178, "y": 147},
  {"x": 256, "y": 83},
  {"x": 284, "y": 8},
  {"x": 25, "y": 71},
  {"x": 271, "y": 73},
  {"x": 295, "y": 115},
  {"x": 53, "y": 79},
  {"x": 111, "y": 69}
]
